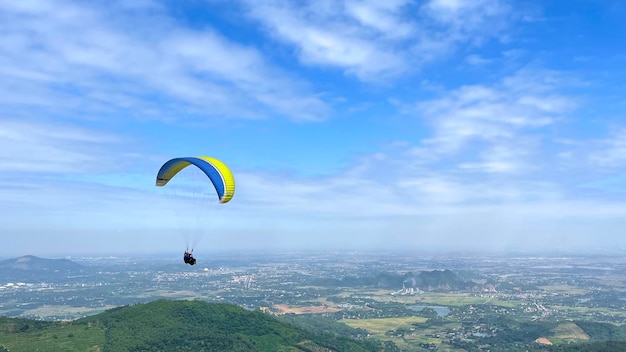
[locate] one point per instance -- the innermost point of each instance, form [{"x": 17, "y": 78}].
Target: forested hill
[{"x": 166, "y": 325}]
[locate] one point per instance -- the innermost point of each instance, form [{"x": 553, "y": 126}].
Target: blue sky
[{"x": 434, "y": 124}]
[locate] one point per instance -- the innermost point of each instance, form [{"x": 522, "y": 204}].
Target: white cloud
[
  {"x": 414, "y": 198},
  {"x": 369, "y": 39},
  {"x": 44, "y": 146},
  {"x": 385, "y": 17},
  {"x": 477, "y": 60},
  {"x": 59, "y": 204},
  {"x": 609, "y": 152},
  {"x": 500, "y": 117},
  {"x": 67, "y": 55},
  {"x": 323, "y": 38},
  {"x": 468, "y": 17},
  {"x": 500, "y": 159},
  {"x": 487, "y": 155}
]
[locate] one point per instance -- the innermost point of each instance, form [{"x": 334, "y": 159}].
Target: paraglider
[
  {"x": 216, "y": 175},
  {"x": 188, "y": 258}
]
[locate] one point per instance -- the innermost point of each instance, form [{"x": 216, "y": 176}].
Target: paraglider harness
[{"x": 188, "y": 258}]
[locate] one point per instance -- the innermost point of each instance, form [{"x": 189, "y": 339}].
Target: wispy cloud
[
  {"x": 483, "y": 155},
  {"x": 477, "y": 60},
  {"x": 93, "y": 60},
  {"x": 50, "y": 147},
  {"x": 463, "y": 19},
  {"x": 611, "y": 151},
  {"x": 490, "y": 150},
  {"x": 495, "y": 122},
  {"x": 369, "y": 39},
  {"x": 410, "y": 195}
]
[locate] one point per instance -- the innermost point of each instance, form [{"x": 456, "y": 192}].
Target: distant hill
[
  {"x": 165, "y": 325},
  {"x": 30, "y": 262},
  {"x": 30, "y": 266},
  {"x": 425, "y": 280}
]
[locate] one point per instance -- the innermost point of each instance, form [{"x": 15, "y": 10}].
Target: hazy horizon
[{"x": 209, "y": 254}]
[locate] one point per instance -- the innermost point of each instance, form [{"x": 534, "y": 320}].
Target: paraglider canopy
[{"x": 219, "y": 174}]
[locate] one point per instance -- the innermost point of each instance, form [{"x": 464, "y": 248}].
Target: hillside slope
[{"x": 172, "y": 326}]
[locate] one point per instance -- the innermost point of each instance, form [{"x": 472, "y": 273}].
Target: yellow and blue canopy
[{"x": 219, "y": 174}]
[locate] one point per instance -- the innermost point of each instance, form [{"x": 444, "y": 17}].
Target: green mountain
[{"x": 166, "y": 325}]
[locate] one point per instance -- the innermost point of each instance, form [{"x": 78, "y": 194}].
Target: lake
[{"x": 441, "y": 311}]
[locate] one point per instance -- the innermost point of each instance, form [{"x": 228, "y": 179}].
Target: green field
[
  {"x": 582, "y": 312},
  {"x": 23, "y": 337},
  {"x": 379, "y": 326},
  {"x": 569, "y": 332},
  {"x": 561, "y": 288},
  {"x": 48, "y": 311},
  {"x": 461, "y": 299},
  {"x": 409, "y": 342}
]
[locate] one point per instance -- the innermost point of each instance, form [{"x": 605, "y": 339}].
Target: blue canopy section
[{"x": 172, "y": 167}]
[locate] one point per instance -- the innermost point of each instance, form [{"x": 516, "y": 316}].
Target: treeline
[
  {"x": 603, "y": 331},
  {"x": 322, "y": 326},
  {"x": 599, "y": 346},
  {"x": 508, "y": 335},
  {"x": 20, "y": 325}
]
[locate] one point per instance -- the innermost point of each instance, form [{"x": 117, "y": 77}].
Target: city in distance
[{"x": 438, "y": 301}]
